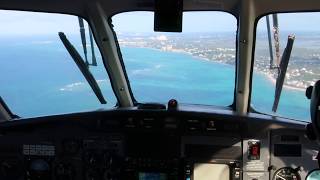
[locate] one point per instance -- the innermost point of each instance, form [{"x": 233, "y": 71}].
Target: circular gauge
[
  {"x": 286, "y": 173},
  {"x": 314, "y": 175},
  {"x": 38, "y": 169}
]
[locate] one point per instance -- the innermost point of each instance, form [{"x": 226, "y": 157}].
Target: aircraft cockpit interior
[{"x": 159, "y": 90}]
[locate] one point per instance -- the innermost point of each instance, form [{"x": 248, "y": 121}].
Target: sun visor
[{"x": 168, "y": 15}]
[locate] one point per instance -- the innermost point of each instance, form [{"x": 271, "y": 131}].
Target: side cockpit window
[
  {"x": 287, "y": 59},
  {"x": 38, "y": 75}
]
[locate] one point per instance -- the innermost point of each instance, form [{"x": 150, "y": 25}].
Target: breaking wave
[
  {"x": 80, "y": 85},
  {"x": 72, "y": 86},
  {"x": 41, "y": 42},
  {"x": 146, "y": 70}
]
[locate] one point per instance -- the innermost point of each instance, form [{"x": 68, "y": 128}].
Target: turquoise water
[
  {"x": 293, "y": 102},
  {"x": 39, "y": 78},
  {"x": 160, "y": 76}
]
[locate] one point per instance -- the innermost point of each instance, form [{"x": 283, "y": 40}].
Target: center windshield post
[{"x": 83, "y": 67}]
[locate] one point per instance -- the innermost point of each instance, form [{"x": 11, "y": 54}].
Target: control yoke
[
  {"x": 313, "y": 93},
  {"x": 313, "y": 129}
]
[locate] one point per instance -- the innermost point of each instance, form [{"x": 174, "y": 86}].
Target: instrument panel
[
  {"x": 287, "y": 173},
  {"x": 151, "y": 147}
]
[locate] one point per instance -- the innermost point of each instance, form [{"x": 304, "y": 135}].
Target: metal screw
[{"x": 243, "y": 41}]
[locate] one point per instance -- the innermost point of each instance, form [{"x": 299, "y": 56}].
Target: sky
[
  {"x": 34, "y": 23},
  {"x": 31, "y": 23},
  {"x": 295, "y": 21},
  {"x": 192, "y": 22}
]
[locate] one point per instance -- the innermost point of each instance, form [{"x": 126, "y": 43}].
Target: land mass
[{"x": 303, "y": 69}]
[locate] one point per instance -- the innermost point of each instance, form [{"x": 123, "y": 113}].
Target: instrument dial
[
  {"x": 39, "y": 169},
  {"x": 286, "y": 173},
  {"x": 314, "y": 175}
]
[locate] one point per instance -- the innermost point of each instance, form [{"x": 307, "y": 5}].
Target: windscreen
[
  {"x": 196, "y": 66},
  {"x": 302, "y": 71},
  {"x": 38, "y": 76}
]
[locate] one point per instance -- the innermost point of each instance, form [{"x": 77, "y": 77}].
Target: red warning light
[{"x": 253, "y": 150}]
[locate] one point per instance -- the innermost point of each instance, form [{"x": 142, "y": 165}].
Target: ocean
[
  {"x": 39, "y": 78},
  {"x": 158, "y": 76}
]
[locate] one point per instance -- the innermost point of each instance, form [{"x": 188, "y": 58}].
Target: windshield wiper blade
[
  {"x": 282, "y": 71},
  {"x": 83, "y": 67}
]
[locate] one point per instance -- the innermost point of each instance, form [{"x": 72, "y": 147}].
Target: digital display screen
[
  {"x": 207, "y": 171},
  {"x": 287, "y": 150},
  {"x": 152, "y": 176}
]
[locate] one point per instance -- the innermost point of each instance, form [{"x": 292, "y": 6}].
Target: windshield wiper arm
[
  {"x": 282, "y": 71},
  {"x": 83, "y": 67},
  {"x": 83, "y": 38}
]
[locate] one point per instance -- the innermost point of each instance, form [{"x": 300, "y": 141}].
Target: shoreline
[
  {"x": 182, "y": 51},
  {"x": 273, "y": 80},
  {"x": 267, "y": 75}
]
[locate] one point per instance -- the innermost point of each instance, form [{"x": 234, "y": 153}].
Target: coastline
[
  {"x": 273, "y": 80},
  {"x": 182, "y": 51}
]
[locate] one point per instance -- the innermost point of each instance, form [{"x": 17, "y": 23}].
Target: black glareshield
[
  {"x": 314, "y": 108},
  {"x": 168, "y": 15}
]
